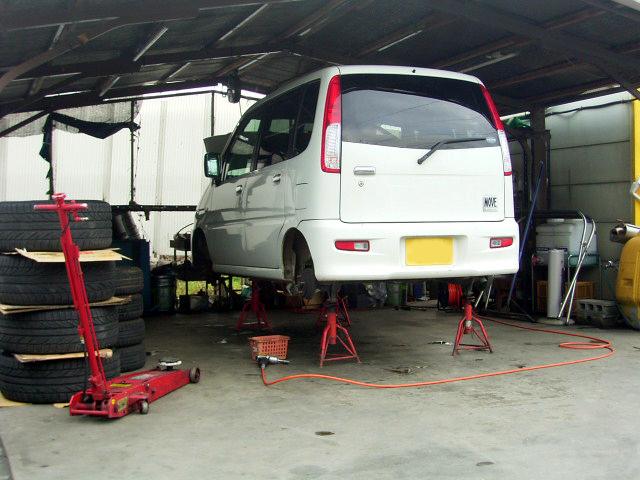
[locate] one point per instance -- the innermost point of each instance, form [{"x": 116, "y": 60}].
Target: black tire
[
  {"x": 54, "y": 331},
  {"x": 25, "y": 282},
  {"x": 23, "y": 227},
  {"x": 50, "y": 381},
  {"x": 131, "y": 310},
  {"x": 128, "y": 280},
  {"x": 132, "y": 357},
  {"x": 131, "y": 332}
]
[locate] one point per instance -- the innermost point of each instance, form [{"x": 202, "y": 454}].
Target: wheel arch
[
  {"x": 199, "y": 249},
  {"x": 293, "y": 244}
]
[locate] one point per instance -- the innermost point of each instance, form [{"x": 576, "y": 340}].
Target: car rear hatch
[{"x": 417, "y": 148}]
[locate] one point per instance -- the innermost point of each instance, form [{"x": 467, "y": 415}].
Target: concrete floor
[{"x": 576, "y": 422}]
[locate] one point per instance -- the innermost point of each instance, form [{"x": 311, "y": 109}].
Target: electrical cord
[{"x": 594, "y": 343}]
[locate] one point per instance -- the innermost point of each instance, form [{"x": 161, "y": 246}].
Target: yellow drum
[{"x": 628, "y": 283}]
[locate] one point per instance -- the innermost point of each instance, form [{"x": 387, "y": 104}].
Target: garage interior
[{"x": 565, "y": 78}]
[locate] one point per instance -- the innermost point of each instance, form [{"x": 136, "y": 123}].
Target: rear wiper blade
[{"x": 436, "y": 146}]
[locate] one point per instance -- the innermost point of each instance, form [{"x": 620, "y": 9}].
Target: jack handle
[{"x": 72, "y": 207}]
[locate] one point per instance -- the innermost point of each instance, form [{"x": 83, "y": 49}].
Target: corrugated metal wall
[
  {"x": 591, "y": 169},
  {"x": 168, "y": 155}
]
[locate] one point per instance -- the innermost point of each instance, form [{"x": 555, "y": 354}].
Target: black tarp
[{"x": 100, "y": 130}]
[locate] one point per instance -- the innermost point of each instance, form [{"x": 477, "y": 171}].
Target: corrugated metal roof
[{"x": 589, "y": 43}]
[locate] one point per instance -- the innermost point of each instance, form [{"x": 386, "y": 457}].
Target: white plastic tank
[{"x": 565, "y": 234}]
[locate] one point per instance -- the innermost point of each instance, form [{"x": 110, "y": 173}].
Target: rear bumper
[{"x": 386, "y": 258}]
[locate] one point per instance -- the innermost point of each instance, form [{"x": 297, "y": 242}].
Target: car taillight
[
  {"x": 353, "y": 245},
  {"x": 500, "y": 242},
  {"x": 502, "y": 137},
  {"x": 331, "y": 128}
]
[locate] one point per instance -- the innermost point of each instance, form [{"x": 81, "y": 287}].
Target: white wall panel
[{"x": 168, "y": 162}]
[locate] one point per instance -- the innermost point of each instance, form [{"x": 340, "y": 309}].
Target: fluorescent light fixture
[
  {"x": 601, "y": 89},
  {"x": 62, "y": 94},
  {"x": 107, "y": 84},
  {"x": 152, "y": 40},
  {"x": 396, "y": 42},
  {"x": 178, "y": 70},
  {"x": 243, "y": 23},
  {"x": 495, "y": 58},
  {"x": 255, "y": 60}
]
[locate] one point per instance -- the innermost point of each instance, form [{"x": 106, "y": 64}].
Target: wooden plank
[
  {"x": 4, "y": 402},
  {"x": 107, "y": 255},
  {"x": 28, "y": 357},
  {"x": 9, "y": 309}
]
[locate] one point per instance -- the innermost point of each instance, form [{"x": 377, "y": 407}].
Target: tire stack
[
  {"x": 52, "y": 331},
  {"x": 130, "y": 343}
]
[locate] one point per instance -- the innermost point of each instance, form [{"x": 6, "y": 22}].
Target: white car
[{"x": 358, "y": 173}]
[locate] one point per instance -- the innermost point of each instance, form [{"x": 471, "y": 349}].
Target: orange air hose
[{"x": 593, "y": 344}]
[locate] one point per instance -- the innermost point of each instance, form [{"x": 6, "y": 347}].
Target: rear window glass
[{"x": 413, "y": 111}]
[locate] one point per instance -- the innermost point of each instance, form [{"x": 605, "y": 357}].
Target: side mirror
[{"x": 212, "y": 166}]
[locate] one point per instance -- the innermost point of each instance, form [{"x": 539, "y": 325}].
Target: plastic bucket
[
  {"x": 396, "y": 293},
  {"x": 163, "y": 289}
]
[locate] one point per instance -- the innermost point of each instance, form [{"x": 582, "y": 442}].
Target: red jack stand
[
  {"x": 333, "y": 334},
  {"x": 465, "y": 327},
  {"x": 119, "y": 396},
  {"x": 255, "y": 306},
  {"x": 343, "y": 317}
]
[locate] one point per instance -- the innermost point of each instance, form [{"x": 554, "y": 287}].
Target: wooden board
[
  {"x": 107, "y": 255},
  {"x": 9, "y": 309},
  {"x": 10, "y": 403},
  {"x": 32, "y": 357}
]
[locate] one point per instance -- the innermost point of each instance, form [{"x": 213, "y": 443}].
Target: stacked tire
[
  {"x": 130, "y": 343},
  {"x": 53, "y": 330}
]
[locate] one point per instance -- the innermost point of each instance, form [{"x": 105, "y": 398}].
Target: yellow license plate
[{"x": 429, "y": 251}]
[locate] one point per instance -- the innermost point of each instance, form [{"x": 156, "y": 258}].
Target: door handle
[
  {"x": 276, "y": 178},
  {"x": 239, "y": 189},
  {"x": 364, "y": 170}
]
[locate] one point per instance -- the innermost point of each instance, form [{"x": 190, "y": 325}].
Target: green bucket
[
  {"x": 164, "y": 293},
  {"x": 396, "y": 293}
]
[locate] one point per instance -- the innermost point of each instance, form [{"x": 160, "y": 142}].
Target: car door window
[
  {"x": 279, "y": 117},
  {"x": 304, "y": 127},
  {"x": 239, "y": 156}
]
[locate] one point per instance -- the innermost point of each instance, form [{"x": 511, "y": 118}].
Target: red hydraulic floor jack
[{"x": 119, "y": 396}]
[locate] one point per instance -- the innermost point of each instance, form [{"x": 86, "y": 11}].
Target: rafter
[
  {"x": 556, "y": 68},
  {"x": 517, "y": 40},
  {"x": 610, "y": 62},
  {"x": 124, "y": 66},
  {"x": 17, "y": 18},
  {"x": 615, "y": 9},
  {"x": 21, "y": 104},
  {"x": 571, "y": 92}
]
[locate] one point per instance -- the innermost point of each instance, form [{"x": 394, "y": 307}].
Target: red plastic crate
[{"x": 274, "y": 345}]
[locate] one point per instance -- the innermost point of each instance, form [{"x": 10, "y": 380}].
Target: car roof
[{"x": 364, "y": 69}]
